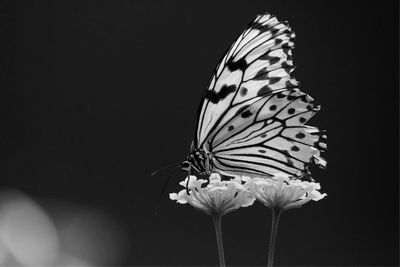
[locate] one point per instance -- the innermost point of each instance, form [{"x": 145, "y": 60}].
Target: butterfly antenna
[
  {"x": 165, "y": 188},
  {"x": 163, "y": 169}
]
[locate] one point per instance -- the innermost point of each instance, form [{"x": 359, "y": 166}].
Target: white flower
[
  {"x": 217, "y": 197},
  {"x": 283, "y": 193}
]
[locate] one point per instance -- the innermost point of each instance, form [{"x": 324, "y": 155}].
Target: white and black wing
[
  {"x": 274, "y": 139},
  {"x": 242, "y": 118}
]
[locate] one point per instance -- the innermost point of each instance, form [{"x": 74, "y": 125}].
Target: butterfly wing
[
  {"x": 258, "y": 63},
  {"x": 252, "y": 115},
  {"x": 273, "y": 139}
]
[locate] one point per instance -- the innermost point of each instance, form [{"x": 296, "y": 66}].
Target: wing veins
[
  {"x": 266, "y": 157},
  {"x": 244, "y": 129},
  {"x": 257, "y": 135},
  {"x": 231, "y": 120},
  {"x": 252, "y": 171},
  {"x": 258, "y": 34},
  {"x": 256, "y": 163}
]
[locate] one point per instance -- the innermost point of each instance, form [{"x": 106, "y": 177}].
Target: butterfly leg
[
  {"x": 208, "y": 163},
  {"x": 188, "y": 179}
]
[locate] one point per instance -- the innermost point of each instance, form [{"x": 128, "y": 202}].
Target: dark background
[{"x": 95, "y": 95}]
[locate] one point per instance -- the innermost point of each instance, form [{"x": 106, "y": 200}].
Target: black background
[{"x": 95, "y": 95}]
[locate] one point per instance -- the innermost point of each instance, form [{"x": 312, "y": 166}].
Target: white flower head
[
  {"x": 284, "y": 193},
  {"x": 216, "y": 197}
]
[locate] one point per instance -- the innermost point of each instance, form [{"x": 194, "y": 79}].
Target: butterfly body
[
  {"x": 252, "y": 116},
  {"x": 198, "y": 160}
]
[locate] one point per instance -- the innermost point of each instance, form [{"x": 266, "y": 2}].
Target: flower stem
[
  {"x": 217, "y": 224},
  {"x": 276, "y": 212}
]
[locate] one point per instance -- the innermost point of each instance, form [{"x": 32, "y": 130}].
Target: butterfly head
[{"x": 190, "y": 165}]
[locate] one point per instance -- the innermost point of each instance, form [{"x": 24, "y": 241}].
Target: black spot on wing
[
  {"x": 271, "y": 60},
  {"x": 261, "y": 75},
  {"x": 259, "y": 26},
  {"x": 287, "y": 46},
  {"x": 264, "y": 90},
  {"x": 274, "y": 80},
  {"x": 295, "y": 148},
  {"x": 246, "y": 114},
  {"x": 285, "y": 152},
  {"x": 285, "y": 65},
  {"x": 281, "y": 95},
  {"x": 243, "y": 91},
  {"x": 240, "y": 110},
  {"x": 230, "y": 128},
  {"x": 222, "y": 94},
  {"x": 241, "y": 64},
  {"x": 289, "y": 84},
  {"x": 274, "y": 31},
  {"x": 286, "y": 49},
  {"x": 300, "y": 135},
  {"x": 304, "y": 98}
]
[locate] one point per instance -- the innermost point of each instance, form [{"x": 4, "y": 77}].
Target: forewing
[{"x": 257, "y": 64}]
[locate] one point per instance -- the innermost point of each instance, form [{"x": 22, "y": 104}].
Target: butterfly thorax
[{"x": 199, "y": 160}]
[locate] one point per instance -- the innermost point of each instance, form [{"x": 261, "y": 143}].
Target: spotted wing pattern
[
  {"x": 252, "y": 114},
  {"x": 273, "y": 140},
  {"x": 258, "y": 63}
]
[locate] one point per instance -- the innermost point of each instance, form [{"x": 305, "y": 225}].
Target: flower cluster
[
  {"x": 284, "y": 193},
  {"x": 215, "y": 195},
  {"x": 222, "y": 197},
  {"x": 217, "y": 198}
]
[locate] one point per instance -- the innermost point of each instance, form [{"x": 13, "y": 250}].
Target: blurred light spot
[
  {"x": 27, "y": 231},
  {"x": 95, "y": 236},
  {"x": 66, "y": 260},
  {"x": 77, "y": 236}
]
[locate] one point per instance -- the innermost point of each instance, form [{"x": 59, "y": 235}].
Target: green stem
[
  {"x": 276, "y": 212},
  {"x": 217, "y": 224}
]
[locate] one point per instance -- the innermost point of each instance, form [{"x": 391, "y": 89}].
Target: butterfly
[{"x": 251, "y": 119}]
